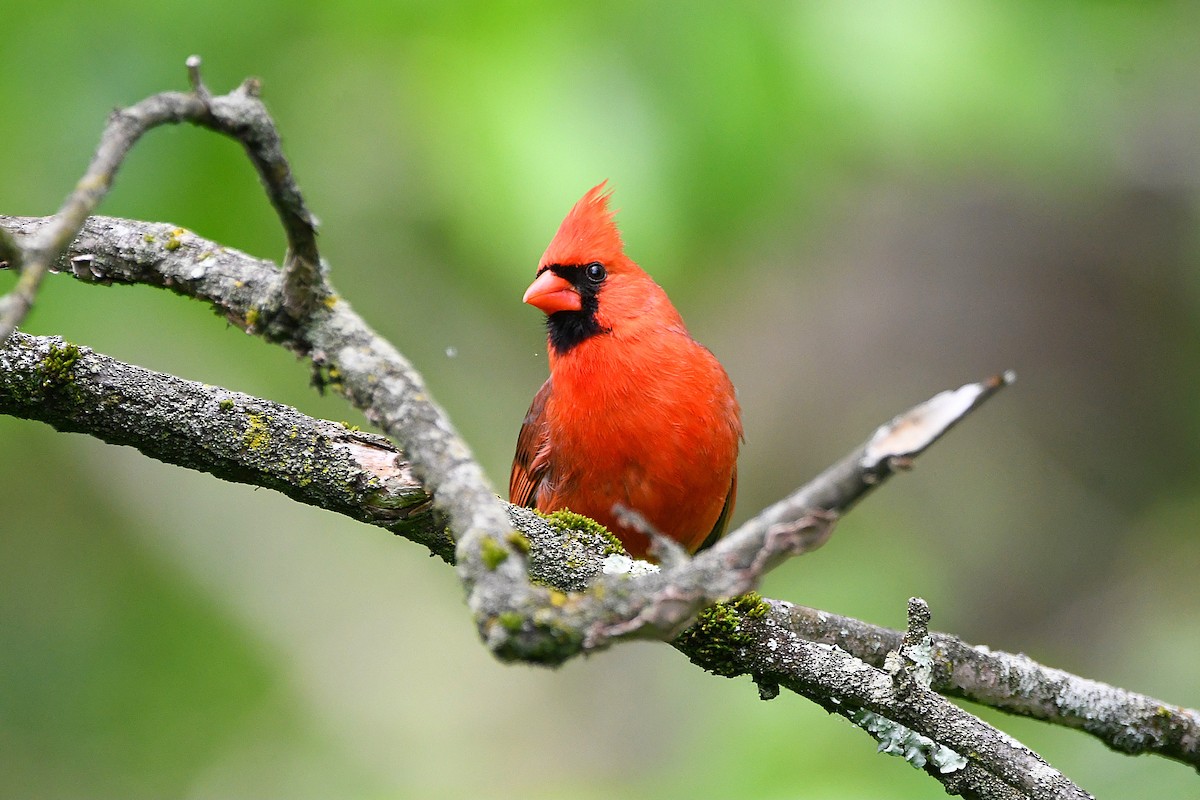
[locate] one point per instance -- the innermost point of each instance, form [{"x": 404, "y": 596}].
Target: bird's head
[{"x": 585, "y": 283}]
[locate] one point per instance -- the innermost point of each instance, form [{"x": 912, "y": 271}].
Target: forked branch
[{"x": 519, "y": 619}]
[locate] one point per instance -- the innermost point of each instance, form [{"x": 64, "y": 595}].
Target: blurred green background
[{"x": 854, "y": 206}]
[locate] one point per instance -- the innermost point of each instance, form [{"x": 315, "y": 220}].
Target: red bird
[{"x": 636, "y": 412}]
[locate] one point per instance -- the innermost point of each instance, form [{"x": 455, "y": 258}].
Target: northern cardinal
[{"x": 636, "y": 413}]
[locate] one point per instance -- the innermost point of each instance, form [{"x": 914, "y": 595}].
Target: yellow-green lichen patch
[
  {"x": 174, "y": 242},
  {"x": 751, "y": 605},
  {"x": 519, "y": 542},
  {"x": 714, "y": 640},
  {"x": 257, "y": 434},
  {"x": 225, "y": 404},
  {"x": 492, "y": 553},
  {"x": 511, "y": 621}
]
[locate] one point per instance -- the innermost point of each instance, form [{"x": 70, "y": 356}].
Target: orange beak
[{"x": 552, "y": 293}]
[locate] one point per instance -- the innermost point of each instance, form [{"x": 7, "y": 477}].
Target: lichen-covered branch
[
  {"x": 233, "y": 436},
  {"x": 296, "y": 307},
  {"x": 1126, "y": 721},
  {"x": 250, "y": 440},
  {"x": 379, "y": 380},
  {"x": 242, "y": 289},
  {"x": 777, "y": 657},
  {"x": 241, "y": 438}
]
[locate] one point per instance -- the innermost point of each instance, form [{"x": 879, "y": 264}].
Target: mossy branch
[
  {"x": 518, "y": 618},
  {"x": 241, "y": 438},
  {"x": 230, "y": 435},
  {"x": 246, "y": 439},
  {"x": 376, "y": 378}
]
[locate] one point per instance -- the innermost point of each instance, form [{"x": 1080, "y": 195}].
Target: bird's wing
[
  {"x": 533, "y": 453},
  {"x": 726, "y": 512}
]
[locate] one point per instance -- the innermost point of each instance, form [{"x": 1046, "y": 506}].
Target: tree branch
[
  {"x": 381, "y": 382},
  {"x": 1125, "y": 721},
  {"x": 233, "y": 436},
  {"x": 246, "y": 439},
  {"x": 240, "y": 115},
  {"x": 518, "y": 619},
  {"x": 968, "y": 756}
]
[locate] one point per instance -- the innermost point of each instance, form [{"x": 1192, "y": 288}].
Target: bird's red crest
[{"x": 588, "y": 233}]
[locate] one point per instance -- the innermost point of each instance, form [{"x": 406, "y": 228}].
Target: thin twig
[
  {"x": 124, "y": 128},
  {"x": 240, "y": 115}
]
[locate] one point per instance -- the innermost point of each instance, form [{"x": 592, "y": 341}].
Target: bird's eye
[{"x": 595, "y": 272}]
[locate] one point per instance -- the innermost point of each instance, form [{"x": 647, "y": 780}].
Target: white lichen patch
[{"x": 617, "y": 564}]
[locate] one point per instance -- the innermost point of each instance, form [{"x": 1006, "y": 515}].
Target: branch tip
[
  {"x": 912, "y": 432},
  {"x": 196, "y": 80},
  {"x": 918, "y": 622}
]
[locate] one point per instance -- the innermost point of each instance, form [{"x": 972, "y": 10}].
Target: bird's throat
[{"x": 566, "y": 330}]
